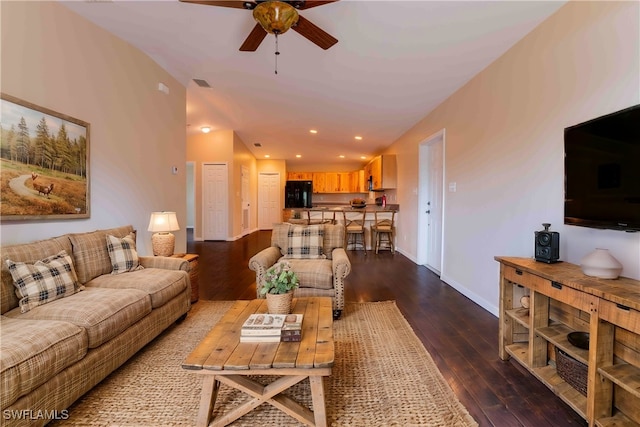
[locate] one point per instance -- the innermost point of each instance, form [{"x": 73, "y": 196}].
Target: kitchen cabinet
[
  {"x": 382, "y": 170},
  {"x": 299, "y": 176},
  {"x": 344, "y": 182},
  {"x": 334, "y": 182},
  {"x": 319, "y": 182},
  {"x": 331, "y": 185},
  {"x": 563, "y": 300},
  {"x": 337, "y": 182},
  {"x": 357, "y": 182}
]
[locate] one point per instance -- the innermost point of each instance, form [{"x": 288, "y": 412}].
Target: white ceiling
[{"x": 395, "y": 61}]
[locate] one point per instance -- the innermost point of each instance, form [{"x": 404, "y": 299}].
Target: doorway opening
[
  {"x": 215, "y": 201},
  {"x": 191, "y": 199},
  {"x": 269, "y": 202},
  {"x": 431, "y": 201}
]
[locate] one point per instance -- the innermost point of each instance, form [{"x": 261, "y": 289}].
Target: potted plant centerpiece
[{"x": 279, "y": 283}]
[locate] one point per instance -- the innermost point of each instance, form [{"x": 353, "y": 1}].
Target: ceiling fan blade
[
  {"x": 223, "y": 3},
  {"x": 313, "y": 33},
  {"x": 254, "y": 39},
  {"x": 313, "y": 3}
]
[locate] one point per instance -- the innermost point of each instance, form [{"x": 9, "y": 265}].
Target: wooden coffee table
[{"x": 222, "y": 358}]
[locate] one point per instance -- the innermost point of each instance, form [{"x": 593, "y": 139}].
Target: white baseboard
[
  {"x": 231, "y": 239},
  {"x": 399, "y": 250},
  {"x": 491, "y": 308}
]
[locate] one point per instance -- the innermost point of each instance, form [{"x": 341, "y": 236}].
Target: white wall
[
  {"x": 504, "y": 145},
  {"x": 53, "y": 58}
]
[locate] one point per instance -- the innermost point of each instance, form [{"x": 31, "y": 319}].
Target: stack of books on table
[{"x": 272, "y": 328}]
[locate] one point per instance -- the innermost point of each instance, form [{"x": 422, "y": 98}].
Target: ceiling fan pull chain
[{"x": 277, "y": 53}]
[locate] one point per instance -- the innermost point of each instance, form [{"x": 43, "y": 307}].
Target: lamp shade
[{"x": 163, "y": 222}]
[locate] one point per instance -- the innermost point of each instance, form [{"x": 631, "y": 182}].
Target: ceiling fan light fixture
[{"x": 275, "y": 17}]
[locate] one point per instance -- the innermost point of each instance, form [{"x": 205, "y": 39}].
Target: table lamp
[{"x": 163, "y": 241}]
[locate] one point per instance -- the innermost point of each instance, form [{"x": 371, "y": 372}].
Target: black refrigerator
[{"x": 297, "y": 194}]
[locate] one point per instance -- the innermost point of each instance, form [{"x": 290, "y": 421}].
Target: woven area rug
[{"x": 383, "y": 376}]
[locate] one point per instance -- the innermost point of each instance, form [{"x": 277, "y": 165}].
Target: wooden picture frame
[{"x": 44, "y": 163}]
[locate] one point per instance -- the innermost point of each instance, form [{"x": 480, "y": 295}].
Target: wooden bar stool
[
  {"x": 383, "y": 230},
  {"x": 354, "y": 232},
  {"x": 328, "y": 217}
]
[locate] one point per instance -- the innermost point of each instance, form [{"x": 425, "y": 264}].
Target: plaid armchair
[{"x": 316, "y": 254}]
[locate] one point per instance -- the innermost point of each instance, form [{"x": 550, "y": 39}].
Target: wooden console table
[{"x": 562, "y": 300}]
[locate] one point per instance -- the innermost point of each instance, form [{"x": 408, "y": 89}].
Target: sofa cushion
[
  {"x": 46, "y": 280},
  {"x": 90, "y": 252},
  {"x": 122, "y": 253},
  {"x": 313, "y": 273},
  {"x": 103, "y": 313},
  {"x": 304, "y": 242},
  {"x": 33, "y": 351},
  {"x": 161, "y": 285},
  {"x": 27, "y": 252}
]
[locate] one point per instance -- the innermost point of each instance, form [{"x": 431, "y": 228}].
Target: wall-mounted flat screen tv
[{"x": 602, "y": 172}]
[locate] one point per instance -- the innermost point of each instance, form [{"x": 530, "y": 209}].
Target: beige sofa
[
  {"x": 321, "y": 274},
  {"x": 54, "y": 353}
]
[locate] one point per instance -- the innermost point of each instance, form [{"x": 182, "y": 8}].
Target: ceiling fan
[{"x": 276, "y": 17}]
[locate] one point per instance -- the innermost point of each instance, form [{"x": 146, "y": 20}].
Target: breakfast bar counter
[
  {"x": 300, "y": 215},
  {"x": 334, "y": 213}
]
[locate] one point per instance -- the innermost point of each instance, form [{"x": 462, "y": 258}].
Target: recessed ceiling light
[
  {"x": 313, "y": 131},
  {"x": 341, "y": 156},
  {"x": 358, "y": 137},
  {"x": 363, "y": 157},
  {"x": 298, "y": 155},
  {"x": 267, "y": 156},
  {"x": 205, "y": 129}
]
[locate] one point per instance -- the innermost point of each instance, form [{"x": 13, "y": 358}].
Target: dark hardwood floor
[{"x": 461, "y": 336}]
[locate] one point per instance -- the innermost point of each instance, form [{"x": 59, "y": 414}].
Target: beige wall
[
  {"x": 53, "y": 58},
  {"x": 504, "y": 145},
  {"x": 224, "y": 146},
  {"x": 213, "y": 147}
]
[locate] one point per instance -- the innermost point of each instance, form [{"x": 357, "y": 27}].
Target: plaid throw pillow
[
  {"x": 305, "y": 242},
  {"x": 44, "y": 281},
  {"x": 122, "y": 253}
]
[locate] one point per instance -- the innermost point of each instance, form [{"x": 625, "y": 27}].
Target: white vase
[{"x": 600, "y": 263}]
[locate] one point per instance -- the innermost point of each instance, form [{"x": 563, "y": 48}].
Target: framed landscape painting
[{"x": 44, "y": 163}]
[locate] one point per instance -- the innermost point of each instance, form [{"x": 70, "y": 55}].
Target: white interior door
[
  {"x": 269, "y": 204},
  {"x": 431, "y": 202},
  {"x": 191, "y": 195},
  {"x": 244, "y": 171},
  {"x": 215, "y": 201}
]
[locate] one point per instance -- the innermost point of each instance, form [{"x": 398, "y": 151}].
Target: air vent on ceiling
[
  {"x": 257, "y": 144},
  {"x": 202, "y": 83}
]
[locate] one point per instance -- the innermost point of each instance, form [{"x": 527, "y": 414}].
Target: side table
[{"x": 193, "y": 273}]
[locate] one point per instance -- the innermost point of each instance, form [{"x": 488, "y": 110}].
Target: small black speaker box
[{"x": 547, "y": 245}]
